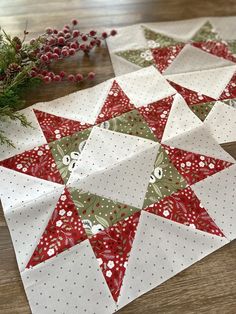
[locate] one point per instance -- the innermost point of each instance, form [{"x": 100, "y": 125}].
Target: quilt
[{"x": 117, "y": 188}]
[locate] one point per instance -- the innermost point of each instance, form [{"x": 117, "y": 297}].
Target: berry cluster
[{"x": 56, "y": 45}]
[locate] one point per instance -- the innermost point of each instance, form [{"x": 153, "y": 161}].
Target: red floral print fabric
[
  {"x": 230, "y": 90},
  {"x": 55, "y": 127},
  {"x": 37, "y": 162},
  {"x": 156, "y": 115},
  {"x": 116, "y": 103},
  {"x": 63, "y": 231},
  {"x": 191, "y": 97},
  {"x": 184, "y": 207},
  {"x": 112, "y": 247},
  {"x": 163, "y": 57},
  {"x": 194, "y": 167}
]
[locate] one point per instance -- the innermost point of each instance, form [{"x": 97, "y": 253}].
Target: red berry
[
  {"x": 98, "y": 41},
  {"x": 66, "y": 26},
  {"x": 93, "y": 43},
  {"x": 68, "y": 35},
  {"x": 65, "y": 30},
  {"x": 71, "y": 51},
  {"x": 57, "y": 78},
  {"x": 55, "y": 56},
  {"x": 65, "y": 53},
  {"x": 33, "y": 73},
  {"x": 47, "y": 48},
  {"x": 47, "y": 79},
  {"x": 91, "y": 75},
  {"x": 113, "y": 32},
  {"x": 55, "y": 31},
  {"x": 92, "y": 33},
  {"x": 56, "y": 50},
  {"x": 44, "y": 58},
  {"x": 74, "y": 45},
  {"x": 51, "y": 74},
  {"x": 49, "y": 55},
  {"x": 62, "y": 74},
  {"x": 75, "y": 33},
  {"x": 52, "y": 41},
  {"x": 82, "y": 47},
  {"x": 74, "y": 22},
  {"x": 49, "y": 31},
  {"x": 61, "y": 40},
  {"x": 71, "y": 77},
  {"x": 60, "y": 33},
  {"x": 84, "y": 38},
  {"x": 104, "y": 35},
  {"x": 79, "y": 77}
]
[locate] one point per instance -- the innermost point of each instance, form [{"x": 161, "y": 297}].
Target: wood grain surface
[{"x": 208, "y": 286}]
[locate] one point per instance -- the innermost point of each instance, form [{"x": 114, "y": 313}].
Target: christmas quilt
[{"x": 117, "y": 188}]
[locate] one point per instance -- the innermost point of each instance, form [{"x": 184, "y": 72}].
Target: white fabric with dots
[
  {"x": 191, "y": 59},
  {"x": 161, "y": 249},
  {"x": 18, "y": 189},
  {"x": 69, "y": 283},
  {"x": 116, "y": 166},
  {"x": 28, "y": 222},
  {"x": 23, "y": 138},
  {"x": 221, "y": 122},
  {"x": 217, "y": 194},
  {"x": 145, "y": 86},
  {"x": 205, "y": 81},
  {"x": 199, "y": 141},
  {"x": 83, "y": 106},
  {"x": 181, "y": 119}
]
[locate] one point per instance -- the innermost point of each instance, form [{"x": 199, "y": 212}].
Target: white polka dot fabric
[
  {"x": 23, "y": 138},
  {"x": 83, "y": 106},
  {"x": 17, "y": 189},
  {"x": 199, "y": 140},
  {"x": 27, "y": 223},
  {"x": 181, "y": 119},
  {"x": 161, "y": 249},
  {"x": 60, "y": 285},
  {"x": 116, "y": 166},
  {"x": 221, "y": 122},
  {"x": 218, "y": 195},
  {"x": 191, "y": 59},
  {"x": 145, "y": 86},
  {"x": 205, "y": 81}
]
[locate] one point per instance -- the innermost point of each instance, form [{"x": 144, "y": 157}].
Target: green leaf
[
  {"x": 102, "y": 221},
  {"x": 159, "y": 159},
  {"x": 157, "y": 190},
  {"x": 60, "y": 150},
  {"x": 78, "y": 204}
]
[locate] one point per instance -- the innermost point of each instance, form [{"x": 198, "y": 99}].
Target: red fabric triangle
[
  {"x": 63, "y": 231},
  {"x": 191, "y": 97},
  {"x": 218, "y": 49},
  {"x": 156, "y": 115},
  {"x": 184, "y": 207},
  {"x": 230, "y": 90},
  {"x": 116, "y": 103},
  {"x": 163, "y": 57},
  {"x": 37, "y": 162},
  {"x": 194, "y": 167},
  {"x": 112, "y": 247},
  {"x": 55, "y": 127}
]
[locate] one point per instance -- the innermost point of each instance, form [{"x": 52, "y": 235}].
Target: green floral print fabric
[
  {"x": 164, "y": 180},
  {"x": 98, "y": 213},
  {"x": 202, "y": 110},
  {"x": 140, "y": 57}
]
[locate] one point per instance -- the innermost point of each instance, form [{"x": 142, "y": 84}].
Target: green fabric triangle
[
  {"x": 202, "y": 110},
  {"x": 131, "y": 123},
  {"x": 206, "y": 32},
  {"x": 164, "y": 180},
  {"x": 140, "y": 57},
  {"x": 232, "y": 46},
  {"x": 162, "y": 40}
]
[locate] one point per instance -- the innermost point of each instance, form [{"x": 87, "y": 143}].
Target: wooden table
[{"x": 206, "y": 287}]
